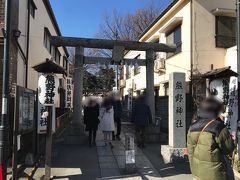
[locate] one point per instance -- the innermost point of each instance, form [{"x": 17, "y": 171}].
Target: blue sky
[{"x": 81, "y": 18}]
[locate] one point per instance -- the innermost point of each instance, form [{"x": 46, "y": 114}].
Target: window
[
  {"x": 32, "y": 8},
  {"x": 166, "y": 89},
  {"x": 225, "y": 31},
  {"x": 128, "y": 72},
  {"x": 137, "y": 68},
  {"x": 121, "y": 69},
  {"x": 65, "y": 63},
  {"x": 175, "y": 37},
  {"x": 46, "y": 40},
  {"x": 58, "y": 56},
  {"x": 1, "y": 53},
  {"x": 53, "y": 52}
]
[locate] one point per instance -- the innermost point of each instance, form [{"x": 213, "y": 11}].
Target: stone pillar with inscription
[
  {"x": 177, "y": 119},
  {"x": 75, "y": 133}
]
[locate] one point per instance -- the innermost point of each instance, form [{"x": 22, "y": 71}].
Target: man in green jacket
[{"x": 209, "y": 144}]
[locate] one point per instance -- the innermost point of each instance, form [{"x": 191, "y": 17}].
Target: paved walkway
[
  {"x": 112, "y": 162},
  {"x": 79, "y": 162}
]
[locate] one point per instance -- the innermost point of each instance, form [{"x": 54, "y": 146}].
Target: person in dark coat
[
  {"x": 117, "y": 106},
  {"x": 91, "y": 113},
  {"x": 142, "y": 117}
]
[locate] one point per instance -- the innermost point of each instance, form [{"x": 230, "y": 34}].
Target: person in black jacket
[
  {"x": 142, "y": 117},
  {"x": 117, "y": 106},
  {"x": 91, "y": 113}
]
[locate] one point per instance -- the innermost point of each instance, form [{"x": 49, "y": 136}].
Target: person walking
[
  {"x": 91, "y": 113},
  {"x": 117, "y": 106},
  {"x": 141, "y": 117},
  {"x": 106, "y": 118},
  {"x": 210, "y": 144}
]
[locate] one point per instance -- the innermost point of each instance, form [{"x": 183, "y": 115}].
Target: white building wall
[
  {"x": 22, "y": 26},
  {"x": 203, "y": 53},
  {"x": 231, "y": 58},
  {"x": 176, "y": 63},
  {"x": 37, "y": 52}
]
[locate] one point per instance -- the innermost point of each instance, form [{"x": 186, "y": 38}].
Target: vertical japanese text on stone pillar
[{"x": 177, "y": 110}]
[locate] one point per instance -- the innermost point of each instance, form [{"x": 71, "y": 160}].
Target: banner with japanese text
[
  {"x": 232, "y": 107},
  {"x": 42, "y": 121},
  {"x": 69, "y": 93}
]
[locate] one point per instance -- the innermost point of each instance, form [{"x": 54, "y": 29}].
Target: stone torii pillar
[
  {"x": 78, "y": 85},
  {"x": 150, "y": 54}
]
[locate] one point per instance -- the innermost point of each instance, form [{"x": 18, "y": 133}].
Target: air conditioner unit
[{"x": 159, "y": 65}]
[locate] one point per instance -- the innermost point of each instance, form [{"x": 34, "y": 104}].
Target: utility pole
[
  {"x": 238, "y": 69},
  {"x": 4, "y": 125}
]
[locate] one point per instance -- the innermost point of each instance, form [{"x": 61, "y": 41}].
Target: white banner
[
  {"x": 48, "y": 85},
  {"x": 130, "y": 97},
  {"x": 232, "y": 107},
  {"x": 130, "y": 157},
  {"x": 42, "y": 122},
  {"x": 69, "y": 93}
]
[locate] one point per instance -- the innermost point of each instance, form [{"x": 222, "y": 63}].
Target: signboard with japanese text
[
  {"x": 25, "y": 103},
  {"x": 226, "y": 90},
  {"x": 69, "y": 93},
  {"x": 219, "y": 88},
  {"x": 232, "y": 107},
  {"x": 130, "y": 156},
  {"x": 130, "y": 99},
  {"x": 42, "y": 121},
  {"x": 48, "y": 93},
  {"x": 177, "y": 110}
]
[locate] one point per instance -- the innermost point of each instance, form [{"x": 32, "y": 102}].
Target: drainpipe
[
  {"x": 191, "y": 51},
  {"x": 238, "y": 69},
  {"x": 4, "y": 123},
  {"x": 27, "y": 50}
]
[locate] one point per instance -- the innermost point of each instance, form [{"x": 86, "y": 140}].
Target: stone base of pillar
[
  {"x": 130, "y": 169},
  {"x": 173, "y": 155},
  {"x": 153, "y": 134},
  {"x": 75, "y": 135}
]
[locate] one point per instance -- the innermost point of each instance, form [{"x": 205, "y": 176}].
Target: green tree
[{"x": 106, "y": 78}]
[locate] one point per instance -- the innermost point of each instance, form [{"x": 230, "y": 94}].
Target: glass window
[
  {"x": 53, "y": 53},
  {"x": 175, "y": 37},
  {"x": 1, "y": 53},
  {"x": 137, "y": 68},
  {"x": 225, "y": 31},
  {"x": 58, "y": 56},
  {"x": 128, "y": 72},
  {"x": 32, "y": 8},
  {"x": 46, "y": 40},
  {"x": 65, "y": 63}
]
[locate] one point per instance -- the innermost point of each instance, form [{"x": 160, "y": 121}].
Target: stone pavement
[
  {"x": 112, "y": 162},
  {"x": 76, "y": 162}
]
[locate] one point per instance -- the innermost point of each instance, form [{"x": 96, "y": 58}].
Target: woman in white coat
[{"x": 106, "y": 117}]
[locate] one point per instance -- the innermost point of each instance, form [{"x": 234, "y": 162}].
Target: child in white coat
[{"x": 106, "y": 117}]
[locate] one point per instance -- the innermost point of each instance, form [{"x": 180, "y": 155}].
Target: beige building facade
[
  {"x": 203, "y": 31},
  {"x": 33, "y": 24}
]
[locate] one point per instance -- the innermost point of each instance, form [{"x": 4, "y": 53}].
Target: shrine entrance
[{"x": 118, "y": 48}]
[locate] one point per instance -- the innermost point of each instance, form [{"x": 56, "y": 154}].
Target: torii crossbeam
[{"x": 118, "y": 48}]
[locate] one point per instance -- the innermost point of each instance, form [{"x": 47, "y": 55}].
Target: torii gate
[{"x": 118, "y": 48}]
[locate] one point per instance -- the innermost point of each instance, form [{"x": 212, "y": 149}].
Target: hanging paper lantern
[{"x": 48, "y": 85}]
